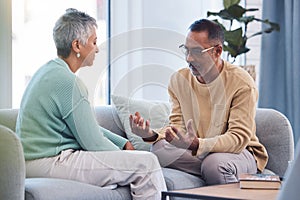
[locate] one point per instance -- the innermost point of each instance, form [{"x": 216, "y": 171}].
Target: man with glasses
[{"x": 211, "y": 130}]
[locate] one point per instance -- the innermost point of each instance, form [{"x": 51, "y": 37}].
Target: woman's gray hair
[{"x": 71, "y": 26}]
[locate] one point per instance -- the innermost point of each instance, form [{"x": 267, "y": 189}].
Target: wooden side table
[{"x": 222, "y": 192}]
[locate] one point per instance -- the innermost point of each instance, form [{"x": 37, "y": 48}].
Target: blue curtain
[{"x": 280, "y": 61}]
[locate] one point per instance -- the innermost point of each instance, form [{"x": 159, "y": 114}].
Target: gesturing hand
[
  {"x": 140, "y": 127},
  {"x": 181, "y": 140}
]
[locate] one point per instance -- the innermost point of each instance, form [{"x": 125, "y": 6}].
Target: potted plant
[{"x": 236, "y": 40}]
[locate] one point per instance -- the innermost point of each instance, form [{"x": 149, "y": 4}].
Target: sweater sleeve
[
  {"x": 116, "y": 139},
  {"x": 83, "y": 124}
]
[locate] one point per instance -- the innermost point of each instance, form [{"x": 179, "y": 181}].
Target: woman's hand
[
  {"x": 141, "y": 128},
  {"x": 128, "y": 146}
]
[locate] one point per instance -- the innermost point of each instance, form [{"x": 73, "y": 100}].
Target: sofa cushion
[
  {"x": 156, "y": 111},
  {"x": 177, "y": 180},
  {"x": 52, "y": 188}
]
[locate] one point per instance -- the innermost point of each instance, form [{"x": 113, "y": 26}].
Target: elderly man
[{"x": 211, "y": 130}]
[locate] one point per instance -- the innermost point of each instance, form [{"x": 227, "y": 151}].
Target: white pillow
[{"x": 156, "y": 111}]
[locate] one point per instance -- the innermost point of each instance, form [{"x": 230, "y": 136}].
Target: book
[{"x": 259, "y": 181}]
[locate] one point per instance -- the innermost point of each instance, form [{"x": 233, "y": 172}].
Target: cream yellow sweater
[{"x": 223, "y": 111}]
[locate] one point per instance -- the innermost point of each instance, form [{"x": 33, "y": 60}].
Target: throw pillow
[{"x": 155, "y": 111}]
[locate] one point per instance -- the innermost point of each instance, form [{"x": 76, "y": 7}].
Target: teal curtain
[{"x": 279, "y": 84}]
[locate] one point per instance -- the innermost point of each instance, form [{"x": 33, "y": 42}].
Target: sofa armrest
[
  {"x": 8, "y": 118},
  {"x": 12, "y": 167},
  {"x": 275, "y": 132}
]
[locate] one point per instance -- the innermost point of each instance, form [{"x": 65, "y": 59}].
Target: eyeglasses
[{"x": 195, "y": 51}]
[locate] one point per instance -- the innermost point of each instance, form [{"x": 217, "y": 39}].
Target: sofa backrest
[{"x": 108, "y": 118}]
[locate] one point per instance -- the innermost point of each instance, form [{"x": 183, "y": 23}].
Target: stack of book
[{"x": 259, "y": 181}]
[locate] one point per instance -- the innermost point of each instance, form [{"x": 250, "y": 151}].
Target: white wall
[
  {"x": 145, "y": 39},
  {"x": 253, "y": 56}
]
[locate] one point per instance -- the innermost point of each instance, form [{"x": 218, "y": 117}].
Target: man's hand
[
  {"x": 128, "y": 146},
  {"x": 184, "y": 141},
  {"x": 141, "y": 128}
]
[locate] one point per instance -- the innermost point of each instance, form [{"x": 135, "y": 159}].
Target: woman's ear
[{"x": 76, "y": 46}]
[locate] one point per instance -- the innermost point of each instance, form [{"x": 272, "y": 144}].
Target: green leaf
[
  {"x": 223, "y": 27},
  {"x": 235, "y": 51},
  {"x": 252, "y": 9},
  {"x": 231, "y": 51},
  {"x": 233, "y": 12},
  {"x": 246, "y": 19},
  {"x": 235, "y": 40},
  {"x": 236, "y": 11},
  {"x": 223, "y": 14},
  {"x": 228, "y": 3},
  {"x": 266, "y": 30},
  {"x": 273, "y": 25},
  {"x": 243, "y": 50},
  {"x": 234, "y": 37}
]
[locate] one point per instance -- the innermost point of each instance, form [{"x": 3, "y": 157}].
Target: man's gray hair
[{"x": 71, "y": 26}]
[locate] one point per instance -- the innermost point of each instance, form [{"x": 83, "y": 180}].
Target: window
[{"x": 32, "y": 45}]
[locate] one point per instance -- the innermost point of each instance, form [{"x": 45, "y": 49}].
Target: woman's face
[{"x": 89, "y": 50}]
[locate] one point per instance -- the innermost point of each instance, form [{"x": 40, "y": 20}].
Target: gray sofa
[{"x": 273, "y": 130}]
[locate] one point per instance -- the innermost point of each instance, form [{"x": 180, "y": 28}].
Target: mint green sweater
[{"x": 55, "y": 115}]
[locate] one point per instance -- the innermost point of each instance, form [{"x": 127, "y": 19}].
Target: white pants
[{"x": 139, "y": 169}]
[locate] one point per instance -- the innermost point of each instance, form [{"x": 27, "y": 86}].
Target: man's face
[{"x": 200, "y": 62}]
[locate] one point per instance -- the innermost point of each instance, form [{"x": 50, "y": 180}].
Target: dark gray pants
[{"x": 214, "y": 168}]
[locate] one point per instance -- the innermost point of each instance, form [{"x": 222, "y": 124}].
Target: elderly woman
[{"x": 59, "y": 133}]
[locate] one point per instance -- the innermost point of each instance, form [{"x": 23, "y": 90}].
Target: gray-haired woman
[{"x": 59, "y": 133}]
